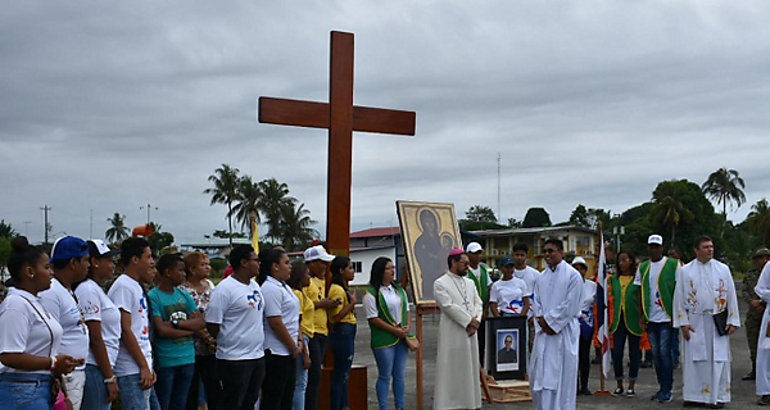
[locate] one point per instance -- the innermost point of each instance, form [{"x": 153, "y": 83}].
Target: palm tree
[
  {"x": 296, "y": 226},
  {"x": 275, "y": 196},
  {"x": 724, "y": 185},
  {"x": 118, "y": 229},
  {"x": 249, "y": 197},
  {"x": 759, "y": 219},
  {"x": 225, "y": 191},
  {"x": 669, "y": 210}
]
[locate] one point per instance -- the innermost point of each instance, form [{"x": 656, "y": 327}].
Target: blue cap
[
  {"x": 69, "y": 247},
  {"x": 507, "y": 261}
]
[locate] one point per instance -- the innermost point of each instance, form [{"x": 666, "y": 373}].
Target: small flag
[
  {"x": 603, "y": 334},
  {"x": 254, "y": 233}
]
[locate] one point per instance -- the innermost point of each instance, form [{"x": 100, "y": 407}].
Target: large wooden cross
[{"x": 341, "y": 117}]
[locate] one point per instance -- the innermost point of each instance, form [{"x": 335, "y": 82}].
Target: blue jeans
[
  {"x": 301, "y": 381},
  {"x": 132, "y": 396},
  {"x": 95, "y": 392},
  {"x": 634, "y": 354},
  {"x": 391, "y": 362},
  {"x": 24, "y": 391},
  {"x": 661, "y": 335},
  {"x": 173, "y": 385},
  {"x": 342, "y": 341},
  {"x": 675, "y": 348}
]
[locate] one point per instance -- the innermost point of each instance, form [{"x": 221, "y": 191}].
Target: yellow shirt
[
  {"x": 306, "y": 309},
  {"x": 625, "y": 280},
  {"x": 316, "y": 292},
  {"x": 336, "y": 292}
]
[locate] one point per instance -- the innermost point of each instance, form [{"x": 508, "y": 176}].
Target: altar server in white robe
[
  {"x": 556, "y": 308},
  {"x": 457, "y": 364},
  {"x": 704, "y": 289},
  {"x": 763, "y": 345}
]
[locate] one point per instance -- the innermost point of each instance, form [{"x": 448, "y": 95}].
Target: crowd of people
[{"x": 161, "y": 335}]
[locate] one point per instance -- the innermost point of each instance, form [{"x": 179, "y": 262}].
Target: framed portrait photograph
[
  {"x": 506, "y": 347},
  {"x": 429, "y": 231}
]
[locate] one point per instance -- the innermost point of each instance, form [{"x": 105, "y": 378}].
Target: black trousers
[
  {"x": 584, "y": 362},
  {"x": 206, "y": 371},
  {"x": 241, "y": 382},
  {"x": 317, "y": 349},
  {"x": 278, "y": 388}
]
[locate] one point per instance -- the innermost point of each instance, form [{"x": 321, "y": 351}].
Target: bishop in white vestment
[
  {"x": 763, "y": 344},
  {"x": 458, "y": 385},
  {"x": 704, "y": 289},
  {"x": 556, "y": 307}
]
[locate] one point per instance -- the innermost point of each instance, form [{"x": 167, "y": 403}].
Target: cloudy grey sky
[{"x": 106, "y": 106}]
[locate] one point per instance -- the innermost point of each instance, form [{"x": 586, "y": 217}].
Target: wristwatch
[
  {"x": 112, "y": 379},
  {"x": 175, "y": 323}
]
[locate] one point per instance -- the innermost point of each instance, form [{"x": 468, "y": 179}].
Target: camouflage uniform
[{"x": 753, "y": 317}]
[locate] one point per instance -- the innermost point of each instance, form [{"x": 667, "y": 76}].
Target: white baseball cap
[
  {"x": 655, "y": 240},
  {"x": 317, "y": 252},
  {"x": 473, "y": 247},
  {"x": 579, "y": 260}
]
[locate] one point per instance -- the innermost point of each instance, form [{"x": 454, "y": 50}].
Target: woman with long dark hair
[
  {"x": 29, "y": 336},
  {"x": 343, "y": 332},
  {"x": 282, "y": 345},
  {"x": 387, "y": 311},
  {"x": 624, "y": 320},
  {"x": 299, "y": 280}
]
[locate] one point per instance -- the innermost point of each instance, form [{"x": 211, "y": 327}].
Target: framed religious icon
[
  {"x": 429, "y": 231},
  {"x": 506, "y": 348}
]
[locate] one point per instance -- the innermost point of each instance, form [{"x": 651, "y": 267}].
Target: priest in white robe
[
  {"x": 458, "y": 384},
  {"x": 705, "y": 288},
  {"x": 763, "y": 344},
  {"x": 556, "y": 308}
]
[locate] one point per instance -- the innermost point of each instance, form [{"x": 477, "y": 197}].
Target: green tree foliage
[
  {"x": 536, "y": 218},
  {"x": 725, "y": 185},
  {"x": 159, "y": 239},
  {"x": 514, "y": 223},
  {"x": 249, "y": 200},
  {"x": 590, "y": 217},
  {"x": 6, "y": 230},
  {"x": 224, "y": 191},
  {"x": 117, "y": 230},
  {"x": 759, "y": 220},
  {"x": 479, "y": 217},
  {"x": 296, "y": 227},
  {"x": 222, "y": 234},
  {"x": 275, "y": 197}
]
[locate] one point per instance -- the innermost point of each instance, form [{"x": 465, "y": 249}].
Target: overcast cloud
[{"x": 106, "y": 106}]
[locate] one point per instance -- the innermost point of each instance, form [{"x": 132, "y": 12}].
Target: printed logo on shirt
[
  {"x": 142, "y": 304},
  {"x": 255, "y": 300},
  {"x": 515, "y": 306},
  {"x": 658, "y": 301},
  {"x": 91, "y": 309}
]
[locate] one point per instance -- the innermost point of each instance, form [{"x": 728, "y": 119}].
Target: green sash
[
  {"x": 631, "y": 311},
  {"x": 482, "y": 285},
  {"x": 380, "y": 337},
  {"x": 665, "y": 286}
]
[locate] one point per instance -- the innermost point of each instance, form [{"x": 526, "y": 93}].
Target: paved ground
[{"x": 743, "y": 392}]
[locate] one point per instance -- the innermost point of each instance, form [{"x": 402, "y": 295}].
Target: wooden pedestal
[
  {"x": 356, "y": 388},
  {"x": 510, "y": 391}
]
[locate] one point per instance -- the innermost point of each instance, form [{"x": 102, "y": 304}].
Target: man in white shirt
[
  {"x": 556, "y": 308},
  {"x": 69, "y": 257},
  {"x": 657, "y": 277},
  {"x": 706, "y": 311},
  {"x": 529, "y": 275},
  {"x": 235, "y": 318},
  {"x": 133, "y": 366}
]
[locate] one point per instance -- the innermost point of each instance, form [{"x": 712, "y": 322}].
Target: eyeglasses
[{"x": 549, "y": 250}]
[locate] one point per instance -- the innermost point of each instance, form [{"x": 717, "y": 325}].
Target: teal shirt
[{"x": 179, "y": 351}]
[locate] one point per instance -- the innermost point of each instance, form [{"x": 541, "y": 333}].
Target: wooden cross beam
[{"x": 341, "y": 117}]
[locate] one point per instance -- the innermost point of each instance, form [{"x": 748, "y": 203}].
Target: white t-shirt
[
  {"x": 239, "y": 310},
  {"x": 509, "y": 294},
  {"x": 529, "y": 275},
  {"x": 96, "y": 306},
  {"x": 477, "y": 272},
  {"x": 23, "y": 330},
  {"x": 392, "y": 300},
  {"x": 280, "y": 301},
  {"x": 587, "y": 302},
  {"x": 61, "y": 304},
  {"x": 656, "y": 314},
  {"x": 128, "y": 295}
]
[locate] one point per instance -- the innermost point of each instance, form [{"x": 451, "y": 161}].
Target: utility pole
[
  {"x": 499, "y": 161},
  {"x": 148, "y": 206},
  {"x": 45, "y": 210},
  {"x": 26, "y": 228}
]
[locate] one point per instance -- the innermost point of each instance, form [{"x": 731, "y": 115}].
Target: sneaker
[
  {"x": 665, "y": 397},
  {"x": 630, "y": 393},
  {"x": 586, "y": 392},
  {"x": 750, "y": 376},
  {"x": 618, "y": 392},
  {"x": 717, "y": 406},
  {"x": 655, "y": 396},
  {"x": 764, "y": 401}
]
